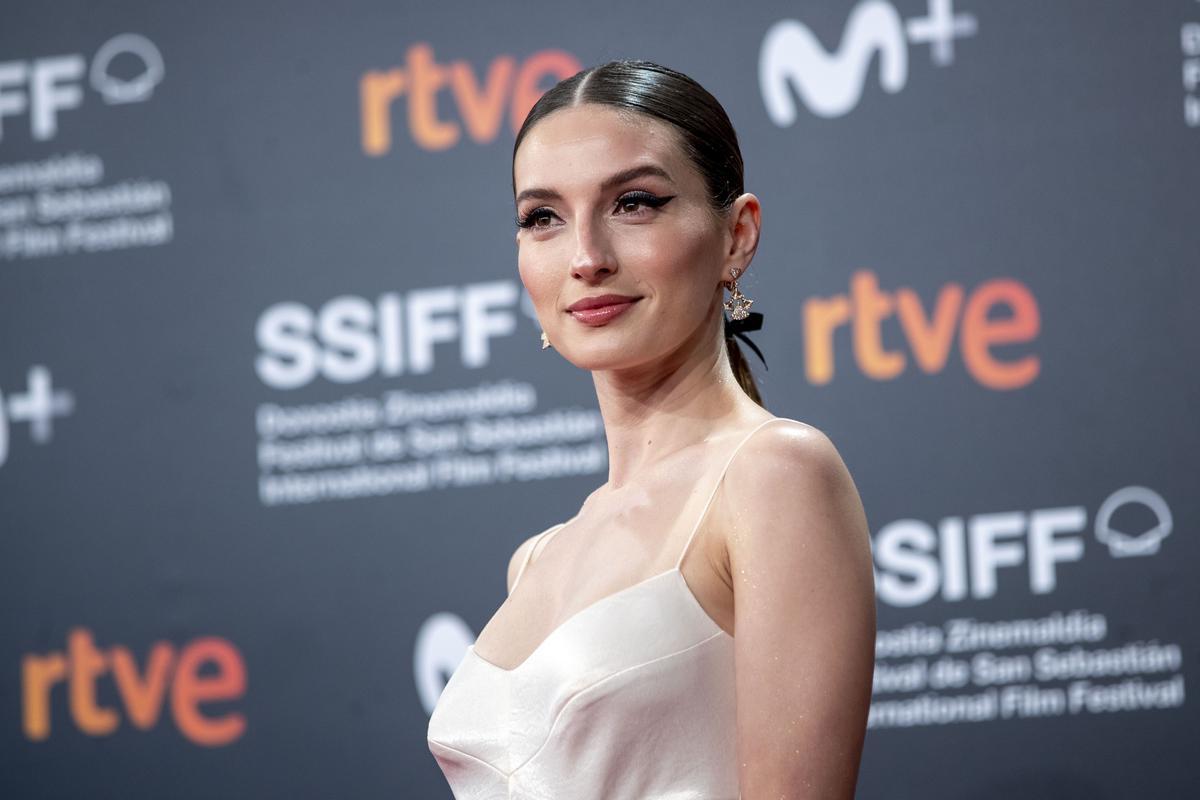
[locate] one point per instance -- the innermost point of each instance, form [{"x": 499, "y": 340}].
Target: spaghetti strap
[
  {"x": 543, "y": 536},
  {"x": 717, "y": 484}
]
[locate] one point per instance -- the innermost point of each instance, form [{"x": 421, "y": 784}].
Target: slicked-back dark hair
[{"x": 704, "y": 131}]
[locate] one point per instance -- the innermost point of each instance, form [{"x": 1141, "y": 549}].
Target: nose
[{"x": 593, "y": 259}]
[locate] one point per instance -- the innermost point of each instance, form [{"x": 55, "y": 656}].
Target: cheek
[
  {"x": 678, "y": 259},
  {"x": 537, "y": 277}
]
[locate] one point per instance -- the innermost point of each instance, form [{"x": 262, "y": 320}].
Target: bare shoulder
[
  {"x": 790, "y": 479},
  {"x": 783, "y": 451}
]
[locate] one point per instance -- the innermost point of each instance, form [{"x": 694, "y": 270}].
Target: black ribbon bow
[{"x": 738, "y": 327}]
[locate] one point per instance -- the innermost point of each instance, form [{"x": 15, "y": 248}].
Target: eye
[
  {"x": 533, "y": 218},
  {"x": 630, "y": 200},
  {"x": 640, "y": 198}
]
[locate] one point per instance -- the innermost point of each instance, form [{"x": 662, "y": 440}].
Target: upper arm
[
  {"x": 517, "y": 559},
  {"x": 804, "y": 615}
]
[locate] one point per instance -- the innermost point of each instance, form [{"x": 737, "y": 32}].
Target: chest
[{"x": 589, "y": 562}]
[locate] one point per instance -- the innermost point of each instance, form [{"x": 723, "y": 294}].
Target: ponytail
[{"x": 741, "y": 370}]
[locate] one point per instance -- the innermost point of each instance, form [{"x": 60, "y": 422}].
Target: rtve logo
[
  {"x": 929, "y": 336},
  {"x": 481, "y": 108},
  {"x": 791, "y": 58},
  {"x": 45, "y": 86},
  {"x": 141, "y": 693}
]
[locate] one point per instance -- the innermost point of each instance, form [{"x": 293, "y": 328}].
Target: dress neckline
[{"x": 591, "y": 607}]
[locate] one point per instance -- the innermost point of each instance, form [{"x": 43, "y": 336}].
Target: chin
[
  {"x": 608, "y": 357},
  {"x": 598, "y": 355}
]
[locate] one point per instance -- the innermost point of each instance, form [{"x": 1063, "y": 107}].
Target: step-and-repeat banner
[{"x": 274, "y": 411}]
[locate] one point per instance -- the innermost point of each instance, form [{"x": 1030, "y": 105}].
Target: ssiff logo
[
  {"x": 351, "y": 338},
  {"x": 791, "y": 58},
  {"x": 169, "y": 674},
  {"x": 44, "y": 87},
  {"x": 960, "y": 559},
  {"x": 506, "y": 86}
]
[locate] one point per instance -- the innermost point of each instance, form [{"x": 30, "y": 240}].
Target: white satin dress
[{"x": 630, "y": 698}]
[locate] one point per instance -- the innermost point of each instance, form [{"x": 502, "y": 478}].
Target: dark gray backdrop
[{"x": 195, "y": 239}]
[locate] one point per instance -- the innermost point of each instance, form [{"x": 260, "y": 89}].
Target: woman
[{"x": 612, "y": 670}]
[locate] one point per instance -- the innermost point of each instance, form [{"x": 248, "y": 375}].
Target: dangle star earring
[
  {"x": 738, "y": 305},
  {"x": 545, "y": 340}
]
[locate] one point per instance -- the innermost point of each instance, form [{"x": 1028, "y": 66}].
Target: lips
[
  {"x": 599, "y": 310},
  {"x": 600, "y": 300}
]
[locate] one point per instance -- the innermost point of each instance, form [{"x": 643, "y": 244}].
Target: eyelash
[{"x": 644, "y": 198}]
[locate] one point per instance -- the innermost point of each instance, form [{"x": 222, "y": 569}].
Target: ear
[{"x": 745, "y": 224}]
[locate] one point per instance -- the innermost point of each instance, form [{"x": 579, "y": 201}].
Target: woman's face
[{"x": 613, "y": 206}]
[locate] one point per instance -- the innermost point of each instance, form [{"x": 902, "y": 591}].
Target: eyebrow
[{"x": 608, "y": 183}]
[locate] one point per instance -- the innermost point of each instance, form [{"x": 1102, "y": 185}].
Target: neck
[{"x": 653, "y": 410}]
